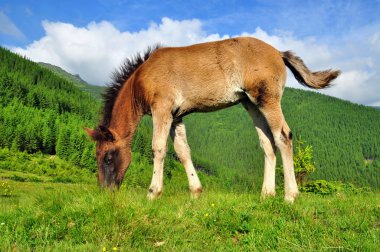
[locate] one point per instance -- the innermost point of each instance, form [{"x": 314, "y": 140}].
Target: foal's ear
[
  {"x": 106, "y": 134},
  {"x": 93, "y": 134}
]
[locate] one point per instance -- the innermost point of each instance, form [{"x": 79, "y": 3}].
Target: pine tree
[{"x": 63, "y": 143}]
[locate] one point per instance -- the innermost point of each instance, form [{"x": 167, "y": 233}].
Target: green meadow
[{"x": 68, "y": 217}]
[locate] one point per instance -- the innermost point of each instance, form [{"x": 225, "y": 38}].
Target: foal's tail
[{"x": 315, "y": 80}]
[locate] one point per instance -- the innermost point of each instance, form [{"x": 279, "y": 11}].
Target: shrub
[
  {"x": 327, "y": 187},
  {"x": 303, "y": 164},
  {"x": 321, "y": 187}
]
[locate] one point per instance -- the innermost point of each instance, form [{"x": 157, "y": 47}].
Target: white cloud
[
  {"x": 7, "y": 27},
  {"x": 96, "y": 50},
  {"x": 308, "y": 48},
  {"x": 377, "y": 104}
]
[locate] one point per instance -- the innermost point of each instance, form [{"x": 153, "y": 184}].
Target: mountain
[{"x": 75, "y": 79}]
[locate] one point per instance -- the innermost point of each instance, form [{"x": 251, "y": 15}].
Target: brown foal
[{"x": 169, "y": 83}]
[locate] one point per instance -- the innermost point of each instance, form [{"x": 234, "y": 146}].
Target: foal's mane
[{"x": 119, "y": 78}]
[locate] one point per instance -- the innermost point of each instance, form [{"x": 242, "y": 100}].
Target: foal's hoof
[
  {"x": 291, "y": 197},
  {"x": 195, "y": 193},
  {"x": 267, "y": 194},
  {"x": 153, "y": 194}
]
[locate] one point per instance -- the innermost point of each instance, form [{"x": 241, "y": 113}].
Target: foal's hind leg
[
  {"x": 268, "y": 145},
  {"x": 178, "y": 134},
  {"x": 283, "y": 140},
  {"x": 162, "y": 122}
]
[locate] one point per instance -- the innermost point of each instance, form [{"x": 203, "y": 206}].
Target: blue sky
[
  {"x": 327, "y": 34},
  {"x": 327, "y": 19}
]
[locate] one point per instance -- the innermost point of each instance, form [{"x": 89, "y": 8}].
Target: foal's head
[{"x": 113, "y": 155}]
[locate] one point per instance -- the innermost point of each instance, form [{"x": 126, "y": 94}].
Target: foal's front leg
[
  {"x": 161, "y": 128},
  {"x": 181, "y": 147}
]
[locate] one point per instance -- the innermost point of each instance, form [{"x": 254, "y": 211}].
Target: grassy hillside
[{"x": 76, "y": 80}]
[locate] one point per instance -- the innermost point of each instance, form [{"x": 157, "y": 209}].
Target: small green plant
[
  {"x": 329, "y": 187},
  {"x": 351, "y": 188},
  {"x": 303, "y": 163},
  {"x": 322, "y": 187},
  {"x": 5, "y": 189}
]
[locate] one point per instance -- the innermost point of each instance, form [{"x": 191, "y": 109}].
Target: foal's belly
[{"x": 210, "y": 101}]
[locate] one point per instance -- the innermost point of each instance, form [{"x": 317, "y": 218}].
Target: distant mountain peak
[{"x": 76, "y": 79}]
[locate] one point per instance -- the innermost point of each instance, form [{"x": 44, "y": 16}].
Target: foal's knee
[{"x": 159, "y": 152}]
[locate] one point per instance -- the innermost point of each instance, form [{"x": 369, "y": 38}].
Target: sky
[{"x": 92, "y": 38}]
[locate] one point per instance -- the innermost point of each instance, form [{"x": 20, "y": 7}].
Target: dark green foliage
[
  {"x": 42, "y": 112},
  {"x": 37, "y": 87},
  {"x": 324, "y": 187},
  {"x": 343, "y": 135},
  {"x": 321, "y": 187}
]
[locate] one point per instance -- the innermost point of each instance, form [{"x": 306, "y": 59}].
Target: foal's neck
[{"x": 125, "y": 114}]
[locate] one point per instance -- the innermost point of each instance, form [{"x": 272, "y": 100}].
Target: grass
[
  {"x": 38, "y": 167},
  {"x": 66, "y": 217}
]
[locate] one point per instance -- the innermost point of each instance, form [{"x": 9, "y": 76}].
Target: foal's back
[{"x": 210, "y": 76}]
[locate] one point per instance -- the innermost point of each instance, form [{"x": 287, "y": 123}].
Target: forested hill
[
  {"x": 43, "y": 112},
  {"x": 34, "y": 86},
  {"x": 75, "y": 79}
]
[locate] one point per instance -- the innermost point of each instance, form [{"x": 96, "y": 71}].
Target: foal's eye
[
  {"x": 108, "y": 161},
  {"x": 108, "y": 158}
]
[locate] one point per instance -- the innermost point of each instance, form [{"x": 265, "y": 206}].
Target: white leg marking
[
  {"x": 161, "y": 128},
  {"x": 178, "y": 134},
  {"x": 267, "y": 144}
]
